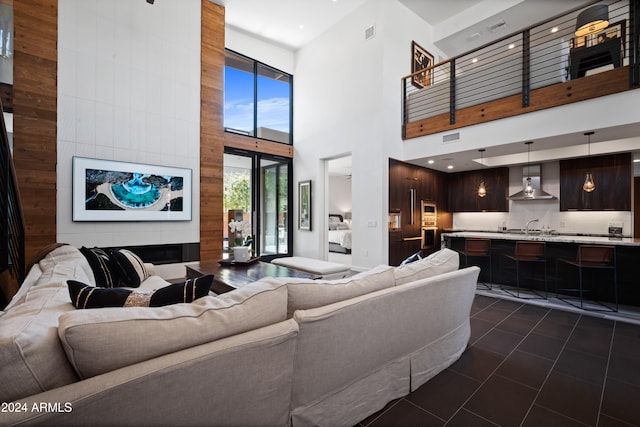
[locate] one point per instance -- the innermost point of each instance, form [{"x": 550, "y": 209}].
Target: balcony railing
[{"x": 541, "y": 67}]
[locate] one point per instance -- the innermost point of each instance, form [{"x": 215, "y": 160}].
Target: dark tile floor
[{"x": 533, "y": 366}]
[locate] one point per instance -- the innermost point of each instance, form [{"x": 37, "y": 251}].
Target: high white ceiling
[{"x": 294, "y": 23}]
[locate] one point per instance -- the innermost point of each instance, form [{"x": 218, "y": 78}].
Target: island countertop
[{"x": 556, "y": 238}]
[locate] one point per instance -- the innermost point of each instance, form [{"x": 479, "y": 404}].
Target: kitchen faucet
[{"x": 526, "y": 228}]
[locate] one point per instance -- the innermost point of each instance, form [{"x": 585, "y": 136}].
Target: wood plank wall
[
  {"x": 211, "y": 131},
  {"x": 35, "y": 117}
]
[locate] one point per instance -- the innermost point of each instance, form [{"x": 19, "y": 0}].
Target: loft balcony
[{"x": 541, "y": 67}]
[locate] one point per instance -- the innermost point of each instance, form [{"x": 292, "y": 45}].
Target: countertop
[{"x": 557, "y": 238}]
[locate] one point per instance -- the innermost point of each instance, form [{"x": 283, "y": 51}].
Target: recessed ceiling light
[
  {"x": 450, "y": 167},
  {"x": 511, "y": 46},
  {"x": 474, "y": 60},
  {"x": 301, "y": 26},
  {"x": 431, "y": 162},
  {"x": 554, "y": 30}
]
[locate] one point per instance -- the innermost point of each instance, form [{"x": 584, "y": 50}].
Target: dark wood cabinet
[
  {"x": 612, "y": 175},
  {"x": 463, "y": 191},
  {"x": 409, "y": 182}
]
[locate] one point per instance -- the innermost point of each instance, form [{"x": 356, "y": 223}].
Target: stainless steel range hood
[{"x": 532, "y": 172}]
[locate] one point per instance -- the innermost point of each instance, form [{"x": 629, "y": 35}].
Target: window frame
[{"x": 256, "y": 66}]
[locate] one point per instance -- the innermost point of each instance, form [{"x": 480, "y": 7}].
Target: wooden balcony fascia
[{"x": 582, "y": 89}]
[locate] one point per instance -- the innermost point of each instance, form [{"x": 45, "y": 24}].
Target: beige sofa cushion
[
  {"x": 442, "y": 261},
  {"x": 31, "y": 355},
  {"x": 308, "y": 293},
  {"x": 102, "y": 340}
]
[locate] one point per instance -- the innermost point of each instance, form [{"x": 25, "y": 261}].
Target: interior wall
[
  {"x": 365, "y": 123},
  {"x": 275, "y": 56},
  {"x": 128, "y": 90},
  {"x": 339, "y": 195}
]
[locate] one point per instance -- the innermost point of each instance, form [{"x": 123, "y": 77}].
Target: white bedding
[{"x": 341, "y": 237}]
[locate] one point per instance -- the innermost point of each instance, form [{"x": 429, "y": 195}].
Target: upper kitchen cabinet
[
  {"x": 612, "y": 175},
  {"x": 463, "y": 191}
]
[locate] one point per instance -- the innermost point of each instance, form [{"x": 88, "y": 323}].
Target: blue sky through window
[{"x": 273, "y": 102}]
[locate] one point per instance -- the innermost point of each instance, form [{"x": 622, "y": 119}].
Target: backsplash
[{"x": 561, "y": 222}]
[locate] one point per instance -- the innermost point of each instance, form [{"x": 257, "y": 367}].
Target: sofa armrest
[{"x": 240, "y": 380}]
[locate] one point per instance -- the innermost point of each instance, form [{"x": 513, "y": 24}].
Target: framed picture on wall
[
  {"x": 420, "y": 60},
  {"x": 107, "y": 190},
  {"x": 304, "y": 205}
]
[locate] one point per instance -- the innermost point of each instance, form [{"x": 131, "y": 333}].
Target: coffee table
[{"x": 229, "y": 277}]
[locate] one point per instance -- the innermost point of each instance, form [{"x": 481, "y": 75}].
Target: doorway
[
  {"x": 257, "y": 195},
  {"x": 339, "y": 205}
]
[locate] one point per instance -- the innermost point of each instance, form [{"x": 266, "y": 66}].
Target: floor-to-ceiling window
[
  {"x": 257, "y": 196},
  {"x": 258, "y": 186}
]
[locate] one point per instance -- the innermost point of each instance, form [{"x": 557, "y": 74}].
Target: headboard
[{"x": 335, "y": 218}]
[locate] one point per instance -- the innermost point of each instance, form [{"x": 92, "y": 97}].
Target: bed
[{"x": 339, "y": 234}]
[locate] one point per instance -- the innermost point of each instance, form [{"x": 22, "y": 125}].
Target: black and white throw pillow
[
  {"x": 86, "y": 296},
  {"x": 129, "y": 267},
  {"x": 106, "y": 276}
]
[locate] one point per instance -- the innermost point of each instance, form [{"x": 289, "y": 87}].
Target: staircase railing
[{"x": 12, "y": 235}]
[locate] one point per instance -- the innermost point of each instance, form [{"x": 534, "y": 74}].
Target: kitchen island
[{"x": 560, "y": 246}]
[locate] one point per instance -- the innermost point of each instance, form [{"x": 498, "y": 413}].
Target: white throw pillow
[{"x": 442, "y": 261}]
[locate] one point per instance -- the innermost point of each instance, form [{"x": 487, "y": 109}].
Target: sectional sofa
[{"x": 276, "y": 352}]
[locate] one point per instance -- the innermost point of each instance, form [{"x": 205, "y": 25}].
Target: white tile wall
[{"x": 128, "y": 90}]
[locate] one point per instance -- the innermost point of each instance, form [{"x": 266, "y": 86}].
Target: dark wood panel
[
  {"x": 601, "y": 84},
  {"x": 211, "y": 131},
  {"x": 626, "y": 262},
  {"x": 612, "y": 174},
  {"x": 636, "y": 207},
  {"x": 463, "y": 190},
  {"x": 429, "y": 185},
  {"x": 259, "y": 145}
]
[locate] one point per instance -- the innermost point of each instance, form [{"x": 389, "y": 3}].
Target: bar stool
[
  {"x": 591, "y": 257},
  {"x": 528, "y": 252},
  {"x": 477, "y": 248}
]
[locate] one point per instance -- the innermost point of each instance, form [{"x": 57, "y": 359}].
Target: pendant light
[
  {"x": 482, "y": 189},
  {"x": 589, "y": 184},
  {"x": 528, "y": 188}
]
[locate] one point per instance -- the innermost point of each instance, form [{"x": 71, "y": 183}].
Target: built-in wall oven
[{"x": 429, "y": 224}]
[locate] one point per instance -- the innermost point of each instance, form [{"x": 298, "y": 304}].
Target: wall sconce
[
  {"x": 593, "y": 19},
  {"x": 589, "y": 184},
  {"x": 528, "y": 188},
  {"x": 482, "y": 189}
]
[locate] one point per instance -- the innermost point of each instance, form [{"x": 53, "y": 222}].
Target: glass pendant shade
[
  {"x": 589, "y": 185},
  {"x": 482, "y": 189},
  {"x": 528, "y": 188},
  {"x": 528, "y": 191}
]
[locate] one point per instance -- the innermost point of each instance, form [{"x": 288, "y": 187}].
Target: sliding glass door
[{"x": 257, "y": 197}]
